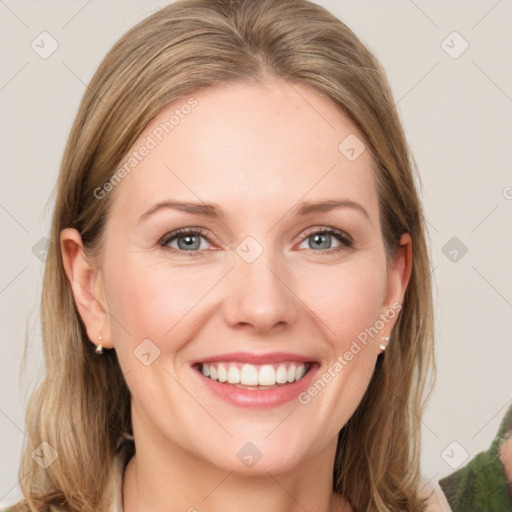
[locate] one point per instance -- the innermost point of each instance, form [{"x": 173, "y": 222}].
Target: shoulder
[
  {"x": 436, "y": 500},
  {"x": 480, "y": 485}
]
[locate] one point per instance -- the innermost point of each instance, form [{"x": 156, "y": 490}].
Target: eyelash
[{"x": 342, "y": 237}]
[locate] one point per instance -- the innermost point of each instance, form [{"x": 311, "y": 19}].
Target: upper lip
[{"x": 247, "y": 357}]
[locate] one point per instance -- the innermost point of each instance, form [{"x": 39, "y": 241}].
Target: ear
[
  {"x": 398, "y": 278},
  {"x": 87, "y": 288}
]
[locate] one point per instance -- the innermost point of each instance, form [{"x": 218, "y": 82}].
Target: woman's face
[{"x": 255, "y": 292}]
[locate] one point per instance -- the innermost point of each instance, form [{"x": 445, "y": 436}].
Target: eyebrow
[{"x": 214, "y": 211}]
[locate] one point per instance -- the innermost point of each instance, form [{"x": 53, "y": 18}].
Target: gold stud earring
[{"x": 99, "y": 348}]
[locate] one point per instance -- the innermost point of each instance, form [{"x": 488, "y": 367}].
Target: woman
[{"x": 238, "y": 312}]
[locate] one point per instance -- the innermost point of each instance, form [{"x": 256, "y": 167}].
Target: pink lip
[
  {"x": 247, "y": 357},
  {"x": 254, "y": 398}
]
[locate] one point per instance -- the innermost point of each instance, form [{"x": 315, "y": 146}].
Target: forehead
[{"x": 241, "y": 145}]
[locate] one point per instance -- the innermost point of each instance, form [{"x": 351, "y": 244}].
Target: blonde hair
[{"x": 82, "y": 407}]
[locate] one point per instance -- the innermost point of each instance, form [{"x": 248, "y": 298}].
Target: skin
[
  {"x": 255, "y": 150},
  {"x": 506, "y": 459}
]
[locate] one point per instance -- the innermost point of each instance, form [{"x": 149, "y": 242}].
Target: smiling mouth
[{"x": 254, "y": 376}]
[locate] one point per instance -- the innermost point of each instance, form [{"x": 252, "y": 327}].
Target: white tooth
[
  {"x": 300, "y": 372},
  {"x": 291, "y": 373},
  {"x": 281, "y": 374},
  {"x": 249, "y": 375},
  {"x": 267, "y": 375},
  {"x": 206, "y": 370},
  {"x": 213, "y": 372},
  {"x": 233, "y": 374},
  {"x": 222, "y": 372}
]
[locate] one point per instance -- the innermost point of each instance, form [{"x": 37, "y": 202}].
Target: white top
[
  {"x": 116, "y": 483},
  {"x": 437, "y": 501}
]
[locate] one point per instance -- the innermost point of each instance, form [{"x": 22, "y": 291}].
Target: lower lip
[{"x": 255, "y": 398}]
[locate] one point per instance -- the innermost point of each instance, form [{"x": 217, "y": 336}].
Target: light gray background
[{"x": 458, "y": 117}]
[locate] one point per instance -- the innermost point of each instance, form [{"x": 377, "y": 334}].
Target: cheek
[
  {"x": 151, "y": 310},
  {"x": 152, "y": 299},
  {"x": 348, "y": 301},
  {"x": 145, "y": 307},
  {"x": 164, "y": 304},
  {"x": 347, "y": 298}
]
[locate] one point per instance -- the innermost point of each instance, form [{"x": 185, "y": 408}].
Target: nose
[{"x": 260, "y": 296}]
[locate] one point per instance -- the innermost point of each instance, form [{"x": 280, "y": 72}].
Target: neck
[{"x": 162, "y": 476}]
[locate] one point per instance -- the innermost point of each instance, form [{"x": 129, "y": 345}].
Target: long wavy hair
[{"x": 82, "y": 406}]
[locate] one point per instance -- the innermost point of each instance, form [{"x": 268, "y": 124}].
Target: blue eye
[
  {"x": 322, "y": 239},
  {"x": 189, "y": 240}
]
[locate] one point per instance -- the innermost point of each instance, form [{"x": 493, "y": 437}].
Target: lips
[
  {"x": 247, "y": 357},
  {"x": 256, "y": 380}
]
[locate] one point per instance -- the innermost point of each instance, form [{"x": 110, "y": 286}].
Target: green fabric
[{"x": 481, "y": 485}]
